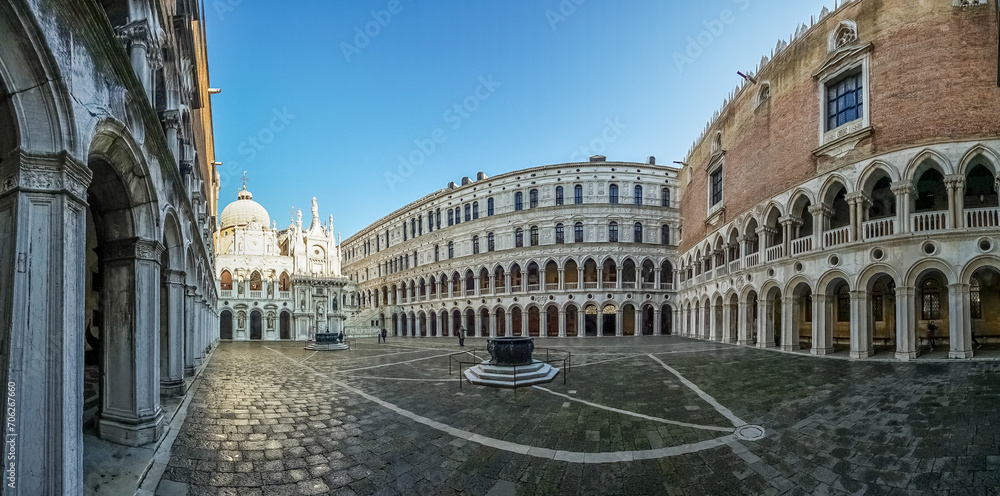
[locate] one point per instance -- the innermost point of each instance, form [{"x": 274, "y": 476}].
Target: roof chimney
[
  {"x": 466, "y": 181},
  {"x": 480, "y": 176},
  {"x": 598, "y": 158},
  {"x": 652, "y": 160}
]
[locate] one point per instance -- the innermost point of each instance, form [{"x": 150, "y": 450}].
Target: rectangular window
[
  {"x": 578, "y": 233},
  {"x": 533, "y": 198},
  {"x": 451, "y": 218},
  {"x": 716, "y": 180},
  {"x": 844, "y": 101},
  {"x": 560, "y": 234},
  {"x": 877, "y": 312},
  {"x": 518, "y": 201},
  {"x": 519, "y": 238},
  {"x": 578, "y": 194},
  {"x": 613, "y": 232},
  {"x": 559, "y": 195},
  {"x": 489, "y": 207},
  {"x": 931, "y": 306},
  {"x": 534, "y": 236}
]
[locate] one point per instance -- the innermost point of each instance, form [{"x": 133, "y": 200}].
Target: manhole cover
[{"x": 750, "y": 432}]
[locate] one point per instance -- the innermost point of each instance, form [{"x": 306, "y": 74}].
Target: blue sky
[{"x": 369, "y": 105}]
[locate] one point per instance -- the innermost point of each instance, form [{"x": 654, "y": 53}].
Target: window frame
[
  {"x": 637, "y": 232},
  {"x": 857, "y": 59},
  {"x": 489, "y": 207},
  {"x": 578, "y": 234},
  {"x": 613, "y": 232},
  {"x": 559, "y": 195},
  {"x": 533, "y": 198},
  {"x": 560, "y": 234},
  {"x": 475, "y": 245},
  {"x": 578, "y": 194},
  {"x": 638, "y": 195},
  {"x": 613, "y": 194},
  {"x": 533, "y": 235},
  {"x": 518, "y": 201},
  {"x": 519, "y": 238}
]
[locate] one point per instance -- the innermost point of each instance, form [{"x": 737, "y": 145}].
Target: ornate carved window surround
[{"x": 839, "y": 141}]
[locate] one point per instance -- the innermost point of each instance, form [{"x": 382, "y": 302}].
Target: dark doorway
[
  {"x": 283, "y": 325},
  {"x": 226, "y": 325},
  {"x": 255, "y": 325}
]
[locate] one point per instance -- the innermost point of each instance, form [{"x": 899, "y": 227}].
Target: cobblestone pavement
[{"x": 273, "y": 418}]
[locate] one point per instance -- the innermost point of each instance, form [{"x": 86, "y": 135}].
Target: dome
[{"x": 243, "y": 211}]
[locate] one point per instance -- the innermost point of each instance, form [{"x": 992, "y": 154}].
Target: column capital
[
  {"x": 135, "y": 33},
  {"x": 131, "y": 248},
  {"x": 954, "y": 180},
  {"x": 901, "y": 188},
  {"x": 820, "y": 209},
  {"x": 857, "y": 198},
  {"x": 175, "y": 277},
  {"x": 44, "y": 172},
  {"x": 789, "y": 220}
]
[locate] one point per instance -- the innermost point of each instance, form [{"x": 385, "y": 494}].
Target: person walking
[
  {"x": 931, "y": 330},
  {"x": 461, "y": 336},
  {"x": 385, "y": 334}
]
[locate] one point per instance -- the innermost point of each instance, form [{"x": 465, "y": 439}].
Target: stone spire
[{"x": 315, "y": 221}]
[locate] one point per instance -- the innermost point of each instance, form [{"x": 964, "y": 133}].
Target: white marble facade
[{"x": 278, "y": 284}]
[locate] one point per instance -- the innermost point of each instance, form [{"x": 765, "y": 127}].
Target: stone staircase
[
  {"x": 511, "y": 377},
  {"x": 359, "y": 325}
]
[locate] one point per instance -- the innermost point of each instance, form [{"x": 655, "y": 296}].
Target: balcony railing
[
  {"x": 573, "y": 285},
  {"x": 709, "y": 274},
  {"x": 878, "y": 228},
  {"x": 721, "y": 270},
  {"x": 552, "y": 286},
  {"x": 929, "y": 221},
  {"x": 734, "y": 266},
  {"x": 982, "y": 217},
  {"x": 628, "y": 284},
  {"x": 774, "y": 253},
  {"x": 226, "y": 293},
  {"x": 590, "y": 285},
  {"x": 752, "y": 260},
  {"x": 837, "y": 236},
  {"x": 533, "y": 287},
  {"x": 284, "y": 295},
  {"x": 802, "y": 245},
  {"x": 667, "y": 286},
  {"x": 256, "y": 294},
  {"x": 649, "y": 285},
  {"x": 516, "y": 289}
]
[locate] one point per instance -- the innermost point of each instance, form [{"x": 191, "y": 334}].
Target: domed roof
[{"x": 243, "y": 211}]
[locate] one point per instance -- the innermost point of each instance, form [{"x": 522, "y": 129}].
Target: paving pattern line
[
  {"x": 737, "y": 422},
  {"x": 606, "y": 361},
  {"x": 523, "y": 449},
  {"x": 635, "y": 414},
  {"x": 388, "y": 364},
  {"x": 308, "y": 357}
]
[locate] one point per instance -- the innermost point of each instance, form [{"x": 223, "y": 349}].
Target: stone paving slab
[{"x": 272, "y": 418}]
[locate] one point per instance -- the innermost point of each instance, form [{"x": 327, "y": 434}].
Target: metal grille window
[
  {"x": 930, "y": 295},
  {"x": 559, "y": 195},
  {"x": 534, "y": 235},
  {"x": 613, "y": 194},
  {"x": 578, "y": 194},
  {"x": 560, "y": 234},
  {"x": 974, "y": 298},
  {"x": 578, "y": 232},
  {"x": 533, "y": 198},
  {"x": 844, "y": 99},
  {"x": 717, "y": 186},
  {"x": 518, "y": 201},
  {"x": 613, "y": 232},
  {"x": 878, "y": 312},
  {"x": 638, "y": 195},
  {"x": 637, "y": 234},
  {"x": 519, "y": 238}
]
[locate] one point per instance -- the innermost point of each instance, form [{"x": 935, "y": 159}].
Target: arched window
[
  {"x": 637, "y": 233},
  {"x": 977, "y": 307},
  {"x": 255, "y": 282},
  {"x": 284, "y": 282},
  {"x": 451, "y": 250},
  {"x": 578, "y": 232},
  {"x": 638, "y": 195},
  {"x": 475, "y": 210},
  {"x": 226, "y": 281},
  {"x": 489, "y": 207},
  {"x": 468, "y": 212},
  {"x": 451, "y": 217},
  {"x": 613, "y": 232},
  {"x": 490, "y": 242},
  {"x": 475, "y": 245},
  {"x": 578, "y": 194},
  {"x": 930, "y": 295},
  {"x": 560, "y": 234},
  {"x": 518, "y": 201},
  {"x": 665, "y": 235},
  {"x": 534, "y": 235},
  {"x": 665, "y": 195},
  {"x": 533, "y": 198},
  {"x": 559, "y": 195},
  {"x": 519, "y": 238},
  {"x": 613, "y": 194}
]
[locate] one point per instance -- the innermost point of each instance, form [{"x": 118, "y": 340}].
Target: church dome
[{"x": 243, "y": 211}]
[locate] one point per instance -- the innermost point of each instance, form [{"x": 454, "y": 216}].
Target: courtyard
[{"x": 636, "y": 415}]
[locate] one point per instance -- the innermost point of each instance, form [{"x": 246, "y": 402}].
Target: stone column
[
  {"x": 906, "y": 334},
  {"x": 765, "y": 323},
  {"x": 600, "y": 321},
  {"x": 191, "y": 331},
  {"x": 172, "y": 340},
  {"x": 657, "y": 322},
  {"x": 959, "y": 321},
  {"x": 493, "y": 283},
  {"x": 657, "y": 274},
  {"x": 600, "y": 277},
  {"x": 787, "y": 224},
  {"x": 139, "y": 42},
  {"x": 479, "y": 325},
  {"x": 43, "y": 231},
  {"x": 409, "y": 325},
  {"x": 789, "y": 324},
  {"x": 524, "y": 323},
  {"x": 508, "y": 323},
  {"x": 902, "y": 191},
  {"x": 130, "y": 386},
  {"x": 822, "y": 342},
  {"x": 477, "y": 282},
  {"x": 562, "y": 279},
  {"x": 727, "y": 336},
  {"x": 637, "y": 321},
  {"x": 579, "y": 276},
  {"x": 494, "y": 324},
  {"x": 618, "y": 278},
  {"x": 861, "y": 339},
  {"x": 742, "y": 325},
  {"x": 713, "y": 323},
  {"x": 506, "y": 281},
  {"x": 619, "y": 314},
  {"x": 956, "y": 200},
  {"x": 562, "y": 323},
  {"x": 858, "y": 202}
]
